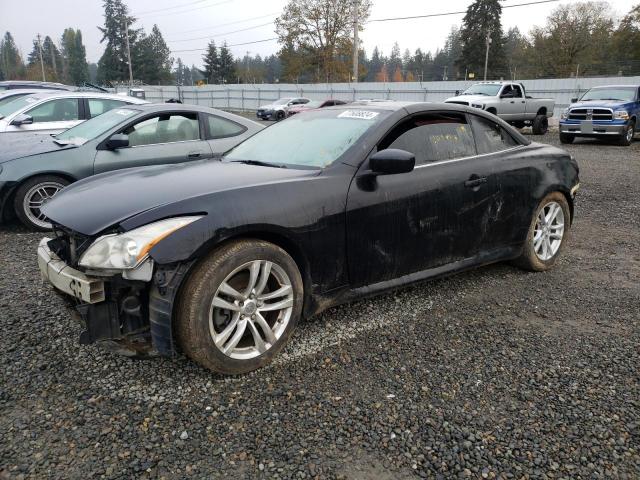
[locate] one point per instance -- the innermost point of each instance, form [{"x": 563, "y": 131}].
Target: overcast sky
[{"x": 183, "y": 22}]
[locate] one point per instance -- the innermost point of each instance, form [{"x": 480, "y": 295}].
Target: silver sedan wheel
[
  {"x": 36, "y": 198},
  {"x": 549, "y": 231},
  {"x": 251, "y": 309}
]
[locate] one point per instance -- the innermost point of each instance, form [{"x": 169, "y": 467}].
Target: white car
[
  {"x": 55, "y": 112},
  {"x": 278, "y": 109}
]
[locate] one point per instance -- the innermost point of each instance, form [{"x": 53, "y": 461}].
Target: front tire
[
  {"x": 31, "y": 197},
  {"x": 547, "y": 234},
  {"x": 626, "y": 138},
  {"x": 279, "y": 116},
  {"x": 567, "y": 138},
  {"x": 239, "y": 307},
  {"x": 540, "y": 125}
]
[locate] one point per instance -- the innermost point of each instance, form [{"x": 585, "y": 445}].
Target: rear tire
[
  {"x": 547, "y": 234},
  {"x": 279, "y": 115},
  {"x": 626, "y": 139},
  {"x": 540, "y": 125},
  {"x": 225, "y": 319},
  {"x": 567, "y": 138},
  {"x": 32, "y": 195}
]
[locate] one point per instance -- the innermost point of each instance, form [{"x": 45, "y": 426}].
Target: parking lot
[{"x": 495, "y": 373}]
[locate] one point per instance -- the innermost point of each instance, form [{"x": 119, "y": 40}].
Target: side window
[
  {"x": 491, "y": 137},
  {"x": 60, "y": 110},
  {"x": 517, "y": 91},
  {"x": 507, "y": 90},
  {"x": 97, "y": 106},
  {"x": 433, "y": 138},
  {"x": 164, "y": 129},
  {"x": 220, "y": 127}
]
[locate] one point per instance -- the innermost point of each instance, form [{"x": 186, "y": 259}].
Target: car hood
[
  {"x": 19, "y": 144},
  {"x": 600, "y": 104},
  {"x": 102, "y": 201},
  {"x": 469, "y": 99}
]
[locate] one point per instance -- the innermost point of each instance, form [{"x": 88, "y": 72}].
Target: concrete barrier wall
[{"x": 248, "y": 97}]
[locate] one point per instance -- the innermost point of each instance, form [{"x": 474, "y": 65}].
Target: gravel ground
[{"x": 495, "y": 373}]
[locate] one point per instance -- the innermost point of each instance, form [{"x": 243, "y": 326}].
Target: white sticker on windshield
[
  {"x": 360, "y": 114},
  {"x": 30, "y": 100},
  {"x": 124, "y": 112}
]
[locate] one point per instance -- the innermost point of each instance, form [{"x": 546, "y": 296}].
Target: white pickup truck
[{"x": 509, "y": 101}]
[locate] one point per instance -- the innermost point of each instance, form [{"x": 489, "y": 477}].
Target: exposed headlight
[
  {"x": 127, "y": 250},
  {"x": 565, "y": 114},
  {"x": 621, "y": 115}
]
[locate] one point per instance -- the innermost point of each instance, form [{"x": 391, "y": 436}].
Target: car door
[
  {"x": 430, "y": 217},
  {"x": 511, "y": 173},
  {"x": 222, "y": 133},
  {"x": 508, "y": 108},
  {"x": 52, "y": 116},
  {"x": 167, "y": 137}
]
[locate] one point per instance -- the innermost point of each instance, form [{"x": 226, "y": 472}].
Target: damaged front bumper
[{"x": 132, "y": 314}]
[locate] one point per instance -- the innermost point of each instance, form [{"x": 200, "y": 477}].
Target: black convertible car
[{"x": 222, "y": 258}]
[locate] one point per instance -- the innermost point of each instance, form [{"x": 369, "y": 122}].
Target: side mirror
[
  {"x": 392, "y": 161},
  {"x": 116, "y": 141},
  {"x": 457, "y": 93},
  {"x": 574, "y": 99},
  {"x": 22, "y": 119}
]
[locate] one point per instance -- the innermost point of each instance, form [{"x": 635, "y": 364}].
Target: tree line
[
  {"x": 65, "y": 62},
  {"x": 316, "y": 43}
]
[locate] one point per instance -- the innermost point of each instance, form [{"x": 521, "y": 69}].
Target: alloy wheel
[
  {"x": 251, "y": 309},
  {"x": 35, "y": 198},
  {"x": 549, "y": 231},
  {"x": 630, "y": 133}
]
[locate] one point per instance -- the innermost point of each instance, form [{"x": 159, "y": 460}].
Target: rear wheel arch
[{"x": 542, "y": 111}]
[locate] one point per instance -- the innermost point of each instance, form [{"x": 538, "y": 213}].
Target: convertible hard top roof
[{"x": 417, "y": 107}]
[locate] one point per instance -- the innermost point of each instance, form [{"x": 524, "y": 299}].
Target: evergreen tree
[
  {"x": 375, "y": 65},
  {"x": 10, "y": 59},
  {"x": 211, "y": 63},
  {"x": 226, "y": 65},
  {"x": 482, "y": 19},
  {"x": 113, "y": 65},
  {"x": 153, "y": 59},
  {"x": 75, "y": 67}
]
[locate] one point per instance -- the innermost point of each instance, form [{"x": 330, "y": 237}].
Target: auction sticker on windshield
[
  {"x": 359, "y": 114},
  {"x": 126, "y": 113}
]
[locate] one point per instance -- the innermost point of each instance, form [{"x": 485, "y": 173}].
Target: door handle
[
  {"x": 194, "y": 155},
  {"x": 475, "y": 181},
  {"x": 512, "y": 101}
]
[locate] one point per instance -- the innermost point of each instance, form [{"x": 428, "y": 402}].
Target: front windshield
[
  {"x": 488, "y": 89},
  {"x": 17, "y": 104},
  {"x": 626, "y": 94},
  {"x": 282, "y": 101},
  {"x": 313, "y": 140},
  {"x": 10, "y": 98},
  {"x": 92, "y": 128}
]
